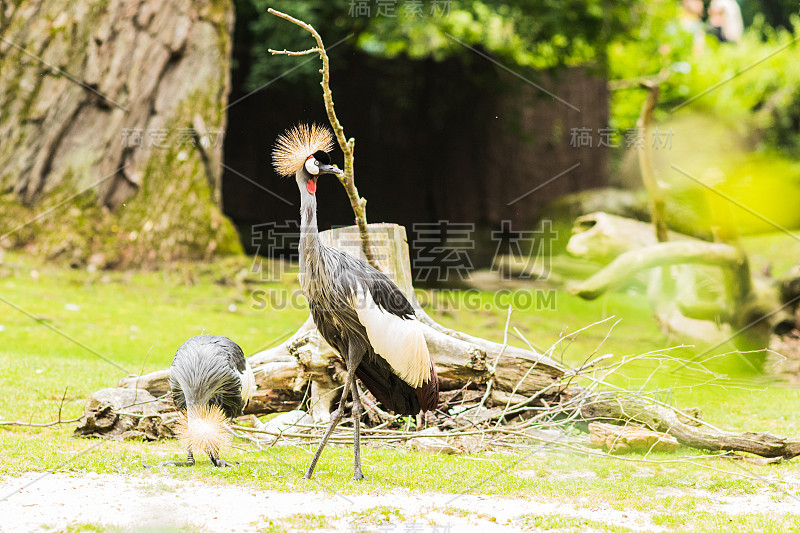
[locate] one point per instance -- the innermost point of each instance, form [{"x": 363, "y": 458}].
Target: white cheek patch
[{"x": 311, "y": 167}]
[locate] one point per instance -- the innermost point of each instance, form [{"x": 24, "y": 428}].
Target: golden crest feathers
[
  {"x": 293, "y": 147},
  {"x": 202, "y": 429}
]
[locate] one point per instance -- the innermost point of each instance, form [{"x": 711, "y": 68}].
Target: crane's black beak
[{"x": 330, "y": 169}]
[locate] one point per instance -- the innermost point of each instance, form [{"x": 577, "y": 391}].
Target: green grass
[
  {"x": 90, "y": 528},
  {"x": 378, "y": 515},
  {"x": 296, "y": 522},
  {"x": 133, "y": 323},
  {"x": 746, "y": 522},
  {"x": 566, "y": 524}
]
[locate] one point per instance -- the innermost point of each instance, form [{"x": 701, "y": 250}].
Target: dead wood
[
  {"x": 754, "y": 307},
  {"x": 124, "y": 414},
  {"x": 620, "y": 407},
  {"x": 665, "y": 254},
  {"x": 654, "y": 190},
  {"x": 626, "y": 439},
  {"x": 618, "y": 421}
]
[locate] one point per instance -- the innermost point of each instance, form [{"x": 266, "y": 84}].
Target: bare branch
[
  {"x": 285, "y": 52},
  {"x": 41, "y": 425},
  {"x": 661, "y": 254},
  {"x": 357, "y": 203}
]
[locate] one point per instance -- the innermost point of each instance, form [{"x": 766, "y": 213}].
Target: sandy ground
[{"x": 59, "y": 500}]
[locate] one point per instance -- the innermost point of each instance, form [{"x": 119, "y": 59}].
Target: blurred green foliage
[
  {"x": 262, "y": 31},
  {"x": 537, "y": 33},
  {"x": 755, "y": 83}
]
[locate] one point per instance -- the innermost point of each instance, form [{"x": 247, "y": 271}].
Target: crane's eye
[{"x": 316, "y": 162}]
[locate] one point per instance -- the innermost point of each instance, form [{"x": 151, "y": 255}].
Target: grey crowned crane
[
  {"x": 211, "y": 383},
  {"x": 357, "y": 309}
]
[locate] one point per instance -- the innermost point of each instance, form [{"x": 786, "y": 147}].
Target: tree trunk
[{"x": 119, "y": 107}]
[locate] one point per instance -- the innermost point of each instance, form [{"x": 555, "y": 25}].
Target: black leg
[
  {"x": 219, "y": 462},
  {"x": 189, "y": 461},
  {"x": 336, "y": 417}
]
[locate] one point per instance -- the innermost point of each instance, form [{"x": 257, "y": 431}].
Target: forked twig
[
  {"x": 357, "y": 203},
  {"x": 56, "y": 422}
]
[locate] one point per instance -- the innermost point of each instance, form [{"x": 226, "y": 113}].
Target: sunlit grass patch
[
  {"x": 565, "y": 524},
  {"x": 710, "y": 521},
  {"x": 381, "y": 514},
  {"x": 731, "y": 486},
  {"x": 295, "y": 522},
  {"x": 92, "y": 528},
  {"x": 671, "y": 519}
]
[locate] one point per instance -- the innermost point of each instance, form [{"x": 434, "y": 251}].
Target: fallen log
[
  {"x": 629, "y": 263},
  {"x": 124, "y": 414},
  {"x": 618, "y": 407},
  {"x": 625, "y": 439},
  {"x": 618, "y": 421},
  {"x": 735, "y": 300},
  {"x": 602, "y": 237}
]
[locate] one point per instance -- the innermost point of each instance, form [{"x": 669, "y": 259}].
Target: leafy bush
[{"x": 755, "y": 82}]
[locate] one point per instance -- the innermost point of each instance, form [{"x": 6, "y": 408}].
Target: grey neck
[{"x": 309, "y": 235}]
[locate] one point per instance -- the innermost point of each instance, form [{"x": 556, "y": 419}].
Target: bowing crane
[
  {"x": 211, "y": 383},
  {"x": 357, "y": 309}
]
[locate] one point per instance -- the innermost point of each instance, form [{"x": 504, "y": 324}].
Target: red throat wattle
[{"x": 311, "y": 186}]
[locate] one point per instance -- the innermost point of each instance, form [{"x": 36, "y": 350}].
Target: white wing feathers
[
  {"x": 399, "y": 341},
  {"x": 248, "y": 384}
]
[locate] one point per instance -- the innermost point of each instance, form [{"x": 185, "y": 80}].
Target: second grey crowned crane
[
  {"x": 211, "y": 383},
  {"x": 357, "y": 309}
]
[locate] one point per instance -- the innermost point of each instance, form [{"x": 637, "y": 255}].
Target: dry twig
[{"x": 358, "y": 204}]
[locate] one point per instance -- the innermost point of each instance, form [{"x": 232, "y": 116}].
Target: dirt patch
[
  {"x": 59, "y": 500},
  {"x": 152, "y": 501}
]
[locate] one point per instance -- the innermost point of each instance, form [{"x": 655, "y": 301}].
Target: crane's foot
[
  {"x": 188, "y": 462},
  {"x": 177, "y": 463},
  {"x": 358, "y": 475},
  {"x": 219, "y": 462}
]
